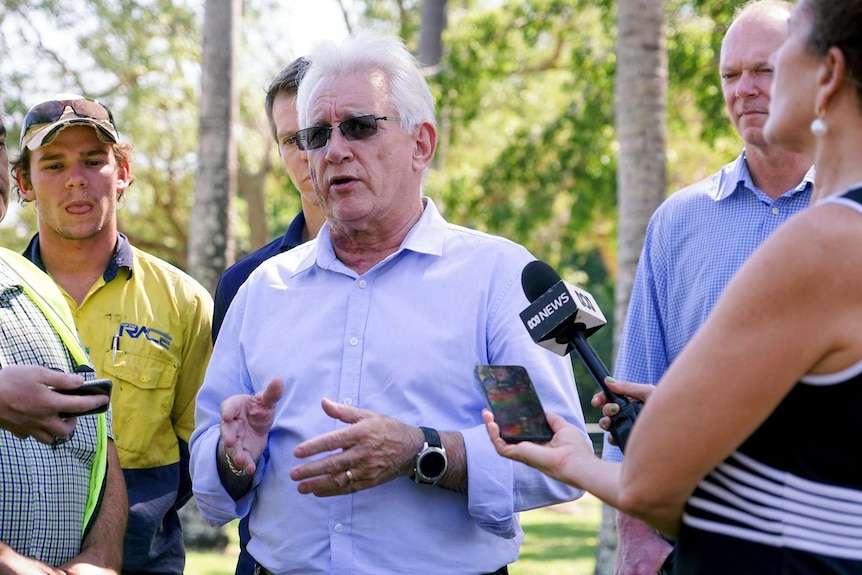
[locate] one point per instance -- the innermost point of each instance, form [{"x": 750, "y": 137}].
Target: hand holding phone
[
  {"x": 95, "y": 387},
  {"x": 514, "y": 402}
]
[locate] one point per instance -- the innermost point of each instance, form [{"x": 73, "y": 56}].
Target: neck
[
  {"x": 775, "y": 171},
  {"x": 836, "y": 159},
  {"x": 362, "y": 249},
  {"x": 75, "y": 265}
]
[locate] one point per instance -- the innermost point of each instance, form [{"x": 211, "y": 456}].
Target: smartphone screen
[{"x": 514, "y": 403}]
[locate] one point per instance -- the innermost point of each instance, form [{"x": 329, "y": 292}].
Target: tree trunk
[
  {"x": 431, "y": 32},
  {"x": 640, "y": 101},
  {"x": 210, "y": 234},
  {"x": 251, "y": 186}
]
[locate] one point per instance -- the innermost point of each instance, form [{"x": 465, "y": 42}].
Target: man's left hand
[{"x": 372, "y": 450}]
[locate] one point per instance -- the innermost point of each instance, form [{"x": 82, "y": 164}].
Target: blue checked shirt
[
  {"x": 44, "y": 489},
  {"x": 695, "y": 242}
]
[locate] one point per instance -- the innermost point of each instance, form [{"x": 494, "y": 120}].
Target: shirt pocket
[{"x": 142, "y": 404}]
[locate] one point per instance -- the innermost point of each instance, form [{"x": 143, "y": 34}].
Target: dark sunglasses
[
  {"x": 354, "y": 129},
  {"x": 51, "y": 111}
]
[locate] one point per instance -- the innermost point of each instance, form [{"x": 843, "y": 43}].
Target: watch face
[{"x": 432, "y": 464}]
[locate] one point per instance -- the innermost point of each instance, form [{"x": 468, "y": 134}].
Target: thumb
[
  {"x": 340, "y": 411},
  {"x": 272, "y": 393}
]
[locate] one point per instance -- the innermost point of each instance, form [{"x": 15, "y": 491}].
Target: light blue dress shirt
[
  {"x": 695, "y": 242},
  {"x": 400, "y": 340}
]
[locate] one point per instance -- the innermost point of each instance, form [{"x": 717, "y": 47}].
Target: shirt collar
[
  {"x": 425, "y": 237},
  {"x": 122, "y": 258},
  {"x": 738, "y": 177}
]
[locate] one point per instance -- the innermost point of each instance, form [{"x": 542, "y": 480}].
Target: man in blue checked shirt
[{"x": 701, "y": 235}]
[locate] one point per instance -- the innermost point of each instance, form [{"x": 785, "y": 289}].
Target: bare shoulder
[{"x": 822, "y": 277}]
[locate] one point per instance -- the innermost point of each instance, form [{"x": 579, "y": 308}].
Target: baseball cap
[{"x": 44, "y": 121}]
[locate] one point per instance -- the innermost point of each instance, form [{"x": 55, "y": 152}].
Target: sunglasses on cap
[
  {"x": 85, "y": 110},
  {"x": 354, "y": 129}
]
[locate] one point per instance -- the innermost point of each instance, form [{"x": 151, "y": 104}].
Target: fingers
[
  {"x": 59, "y": 379},
  {"x": 639, "y": 391}
]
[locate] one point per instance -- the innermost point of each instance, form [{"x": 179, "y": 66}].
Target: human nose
[
  {"x": 746, "y": 87},
  {"x": 338, "y": 149},
  {"x": 76, "y": 177}
]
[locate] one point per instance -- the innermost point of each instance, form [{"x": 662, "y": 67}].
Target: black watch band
[
  {"x": 432, "y": 437},
  {"x": 431, "y": 461}
]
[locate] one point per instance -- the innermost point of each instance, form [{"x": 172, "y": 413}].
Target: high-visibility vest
[{"x": 40, "y": 288}]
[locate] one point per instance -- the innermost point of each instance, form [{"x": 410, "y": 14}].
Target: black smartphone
[
  {"x": 95, "y": 387},
  {"x": 514, "y": 402}
]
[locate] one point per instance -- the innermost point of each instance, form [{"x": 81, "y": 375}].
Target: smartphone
[
  {"x": 514, "y": 402},
  {"x": 95, "y": 387}
]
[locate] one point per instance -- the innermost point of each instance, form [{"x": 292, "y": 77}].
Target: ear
[
  {"x": 424, "y": 146},
  {"x": 124, "y": 177},
  {"x": 22, "y": 178},
  {"x": 831, "y": 77}
]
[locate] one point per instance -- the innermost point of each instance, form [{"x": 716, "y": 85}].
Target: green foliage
[
  {"x": 527, "y": 145},
  {"x": 528, "y": 140}
]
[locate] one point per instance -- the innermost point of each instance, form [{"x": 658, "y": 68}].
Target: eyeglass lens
[{"x": 353, "y": 129}]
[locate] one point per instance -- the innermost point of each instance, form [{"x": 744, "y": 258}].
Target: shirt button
[
  {"x": 348, "y": 401},
  {"x": 143, "y": 379},
  {"x": 353, "y": 341},
  {"x": 775, "y": 210},
  {"x": 362, "y": 283},
  {"x": 339, "y": 527}
]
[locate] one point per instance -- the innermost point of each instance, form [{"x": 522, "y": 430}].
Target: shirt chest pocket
[{"x": 142, "y": 403}]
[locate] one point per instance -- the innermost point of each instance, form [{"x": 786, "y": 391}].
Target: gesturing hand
[
  {"x": 245, "y": 424},
  {"x": 374, "y": 449}
]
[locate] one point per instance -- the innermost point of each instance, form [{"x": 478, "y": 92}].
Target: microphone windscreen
[{"x": 537, "y": 278}]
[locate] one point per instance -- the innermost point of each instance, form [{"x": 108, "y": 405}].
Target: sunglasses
[
  {"x": 354, "y": 129},
  {"x": 51, "y": 111}
]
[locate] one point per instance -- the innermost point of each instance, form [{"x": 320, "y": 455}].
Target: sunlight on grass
[{"x": 559, "y": 540}]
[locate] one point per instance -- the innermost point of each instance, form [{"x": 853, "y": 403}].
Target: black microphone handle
[
  {"x": 623, "y": 422},
  {"x": 595, "y": 366}
]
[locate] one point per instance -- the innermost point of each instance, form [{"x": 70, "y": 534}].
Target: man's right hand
[
  {"x": 12, "y": 563},
  {"x": 245, "y": 424},
  {"x": 30, "y": 408}
]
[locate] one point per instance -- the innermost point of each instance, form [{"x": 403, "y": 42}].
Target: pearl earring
[{"x": 819, "y": 127}]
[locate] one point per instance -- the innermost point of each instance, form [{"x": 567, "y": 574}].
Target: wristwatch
[{"x": 431, "y": 461}]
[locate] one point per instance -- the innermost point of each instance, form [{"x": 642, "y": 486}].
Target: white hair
[{"x": 409, "y": 94}]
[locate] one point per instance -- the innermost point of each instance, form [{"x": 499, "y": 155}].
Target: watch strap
[{"x": 432, "y": 437}]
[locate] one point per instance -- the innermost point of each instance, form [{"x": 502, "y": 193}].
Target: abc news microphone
[{"x": 560, "y": 318}]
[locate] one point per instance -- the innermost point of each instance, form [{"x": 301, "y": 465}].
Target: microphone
[{"x": 560, "y": 318}]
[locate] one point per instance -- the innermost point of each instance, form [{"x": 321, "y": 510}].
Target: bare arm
[
  {"x": 792, "y": 309},
  {"x": 102, "y": 550}
]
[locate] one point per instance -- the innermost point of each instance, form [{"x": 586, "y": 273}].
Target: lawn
[{"x": 560, "y": 540}]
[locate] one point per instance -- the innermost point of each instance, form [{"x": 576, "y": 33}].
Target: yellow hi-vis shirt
[{"x": 149, "y": 330}]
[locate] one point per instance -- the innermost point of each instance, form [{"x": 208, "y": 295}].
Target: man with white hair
[{"x": 340, "y": 409}]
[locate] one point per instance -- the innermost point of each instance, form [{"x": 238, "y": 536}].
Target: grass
[{"x": 559, "y": 540}]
